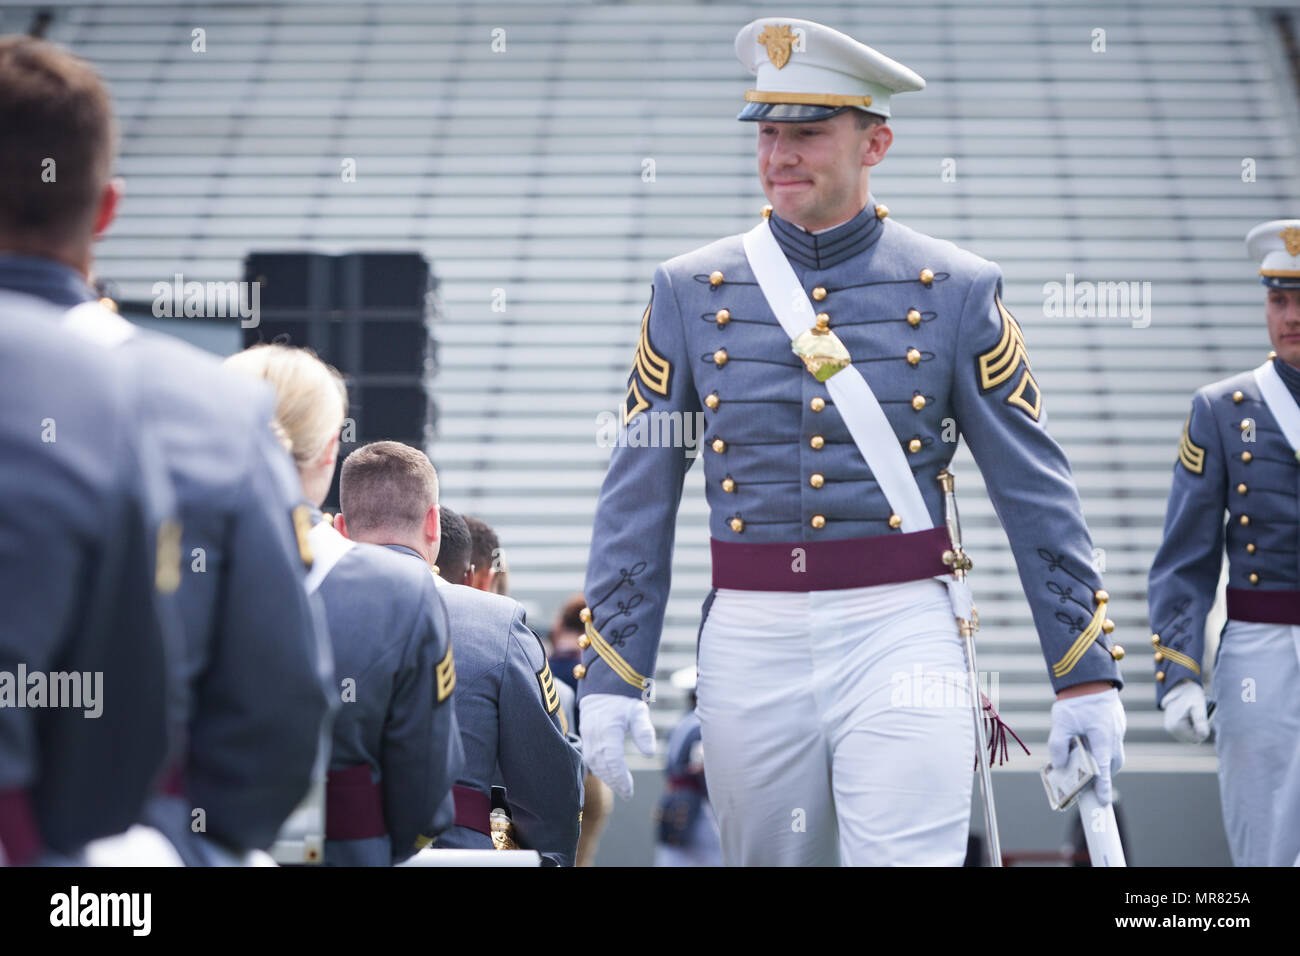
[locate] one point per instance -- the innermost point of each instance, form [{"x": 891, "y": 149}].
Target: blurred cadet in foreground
[{"x": 244, "y": 737}]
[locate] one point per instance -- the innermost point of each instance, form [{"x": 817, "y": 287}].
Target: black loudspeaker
[{"x": 367, "y": 314}]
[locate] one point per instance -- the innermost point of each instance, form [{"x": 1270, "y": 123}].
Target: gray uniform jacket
[
  {"x": 509, "y": 713},
  {"x": 1251, "y": 474},
  {"x": 924, "y": 323},
  {"x": 395, "y": 671},
  {"x": 84, "y": 501},
  {"x": 252, "y": 684}
]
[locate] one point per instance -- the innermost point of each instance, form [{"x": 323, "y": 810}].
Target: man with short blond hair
[{"x": 506, "y": 701}]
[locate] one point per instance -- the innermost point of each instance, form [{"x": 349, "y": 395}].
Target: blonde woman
[{"x": 396, "y": 746}]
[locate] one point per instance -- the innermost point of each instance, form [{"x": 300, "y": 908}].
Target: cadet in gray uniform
[
  {"x": 506, "y": 701},
  {"x": 88, "y": 561},
  {"x": 396, "y": 747},
  {"x": 1239, "y": 454},
  {"x": 253, "y": 677},
  {"x": 822, "y": 587}
]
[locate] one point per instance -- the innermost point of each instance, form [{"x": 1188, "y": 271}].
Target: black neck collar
[{"x": 827, "y": 249}]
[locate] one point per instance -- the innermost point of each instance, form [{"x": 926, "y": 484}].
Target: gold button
[
  {"x": 817, "y": 441},
  {"x": 584, "y": 641},
  {"x": 715, "y": 278},
  {"x": 817, "y": 480},
  {"x": 1254, "y": 578},
  {"x": 711, "y": 400},
  {"x": 818, "y": 521},
  {"x": 728, "y": 485},
  {"x": 1245, "y": 424},
  {"x": 723, "y": 316},
  {"x": 1108, "y": 626},
  {"x": 1246, "y": 457},
  {"x": 719, "y": 445},
  {"x": 1100, "y": 596},
  {"x": 819, "y": 293},
  {"x": 927, "y": 276},
  {"x": 1155, "y": 640},
  {"x": 914, "y": 445},
  {"x": 918, "y": 402},
  {"x": 817, "y": 404},
  {"x": 895, "y": 521},
  {"x": 1245, "y": 519},
  {"x": 737, "y": 525},
  {"x": 1250, "y": 547},
  {"x": 720, "y": 358},
  {"x": 913, "y": 318},
  {"x": 767, "y": 211},
  {"x": 1158, "y": 656},
  {"x": 585, "y": 615},
  {"x": 1117, "y": 652},
  {"x": 1271, "y": 355},
  {"x": 1237, "y": 396},
  {"x": 823, "y": 320},
  {"x": 1241, "y": 488},
  {"x": 882, "y": 211},
  {"x": 579, "y": 671},
  {"x": 1160, "y": 676},
  {"x": 913, "y": 356}
]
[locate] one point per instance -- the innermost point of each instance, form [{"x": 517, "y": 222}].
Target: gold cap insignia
[
  {"x": 778, "y": 39},
  {"x": 1291, "y": 236}
]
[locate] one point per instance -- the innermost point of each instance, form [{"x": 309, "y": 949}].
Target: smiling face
[
  {"x": 1282, "y": 308},
  {"x": 816, "y": 175}
]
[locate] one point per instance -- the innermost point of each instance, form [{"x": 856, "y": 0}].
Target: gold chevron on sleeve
[
  {"x": 635, "y": 401},
  {"x": 1191, "y": 455},
  {"x": 999, "y": 363},
  {"x": 446, "y": 676},
  {"x": 1084, "y": 641},
  {"x": 615, "y": 660},
  {"x": 1027, "y": 385},
  {"x": 653, "y": 368}
]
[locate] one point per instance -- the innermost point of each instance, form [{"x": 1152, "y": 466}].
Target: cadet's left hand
[{"x": 1098, "y": 718}]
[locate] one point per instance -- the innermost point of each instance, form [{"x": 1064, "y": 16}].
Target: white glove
[
  {"x": 605, "y": 720},
  {"x": 1185, "y": 713},
  {"x": 1100, "y": 720}
]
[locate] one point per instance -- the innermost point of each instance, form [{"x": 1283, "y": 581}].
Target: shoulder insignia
[
  {"x": 446, "y": 673},
  {"x": 999, "y": 365},
  {"x": 650, "y": 369},
  {"x": 301, "y": 528},
  {"x": 1191, "y": 455},
  {"x": 550, "y": 696},
  {"x": 167, "y": 558}
]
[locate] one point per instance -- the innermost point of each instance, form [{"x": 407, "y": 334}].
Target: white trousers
[
  {"x": 836, "y": 726},
  {"x": 1257, "y": 737}
]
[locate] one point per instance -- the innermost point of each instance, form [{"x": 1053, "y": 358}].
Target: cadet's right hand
[
  {"x": 606, "y": 719},
  {"x": 1185, "y": 712}
]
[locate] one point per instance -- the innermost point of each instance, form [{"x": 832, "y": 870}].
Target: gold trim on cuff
[{"x": 615, "y": 661}]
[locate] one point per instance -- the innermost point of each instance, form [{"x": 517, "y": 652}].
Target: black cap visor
[{"x": 789, "y": 112}]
